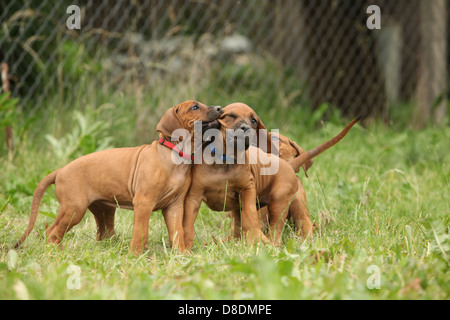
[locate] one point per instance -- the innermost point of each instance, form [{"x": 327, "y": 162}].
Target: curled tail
[
  {"x": 38, "y": 193},
  {"x": 299, "y": 161}
]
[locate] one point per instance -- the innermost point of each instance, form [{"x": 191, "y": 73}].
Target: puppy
[
  {"x": 237, "y": 187},
  {"x": 298, "y": 211},
  {"x": 141, "y": 178}
]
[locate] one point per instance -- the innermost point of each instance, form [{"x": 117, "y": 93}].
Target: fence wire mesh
[{"x": 313, "y": 52}]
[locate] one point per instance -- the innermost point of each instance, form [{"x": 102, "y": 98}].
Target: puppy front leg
[
  {"x": 191, "y": 206},
  {"x": 250, "y": 221},
  {"x": 173, "y": 216},
  {"x": 142, "y": 210}
]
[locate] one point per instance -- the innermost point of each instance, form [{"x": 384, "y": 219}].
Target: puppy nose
[{"x": 244, "y": 127}]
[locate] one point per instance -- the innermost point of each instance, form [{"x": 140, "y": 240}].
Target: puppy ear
[
  {"x": 169, "y": 122},
  {"x": 263, "y": 135},
  {"x": 307, "y": 164}
]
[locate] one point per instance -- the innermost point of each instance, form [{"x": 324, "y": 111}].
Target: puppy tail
[
  {"x": 303, "y": 158},
  {"x": 38, "y": 194}
]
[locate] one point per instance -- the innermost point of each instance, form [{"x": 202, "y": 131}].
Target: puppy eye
[
  {"x": 232, "y": 116},
  {"x": 195, "y": 107},
  {"x": 254, "y": 122}
]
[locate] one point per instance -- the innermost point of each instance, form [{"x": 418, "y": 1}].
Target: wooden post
[
  {"x": 6, "y": 88},
  {"x": 432, "y": 84}
]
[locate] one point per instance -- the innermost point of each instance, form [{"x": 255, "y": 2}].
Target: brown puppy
[
  {"x": 298, "y": 211},
  {"x": 141, "y": 178},
  {"x": 237, "y": 187},
  {"x": 287, "y": 150}
]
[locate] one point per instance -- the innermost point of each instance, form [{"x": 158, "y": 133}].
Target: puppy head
[
  {"x": 185, "y": 114},
  {"x": 289, "y": 150},
  {"x": 245, "y": 122}
]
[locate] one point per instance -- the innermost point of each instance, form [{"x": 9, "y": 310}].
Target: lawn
[{"x": 380, "y": 198}]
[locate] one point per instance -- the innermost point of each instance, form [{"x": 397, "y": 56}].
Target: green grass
[{"x": 384, "y": 191}]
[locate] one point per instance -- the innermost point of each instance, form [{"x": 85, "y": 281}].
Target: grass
[{"x": 381, "y": 197}]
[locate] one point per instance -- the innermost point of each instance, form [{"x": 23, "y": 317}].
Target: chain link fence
[{"x": 295, "y": 53}]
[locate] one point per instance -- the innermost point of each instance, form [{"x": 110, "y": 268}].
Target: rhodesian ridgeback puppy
[
  {"x": 236, "y": 187},
  {"x": 287, "y": 150},
  {"x": 141, "y": 178},
  {"x": 298, "y": 210}
]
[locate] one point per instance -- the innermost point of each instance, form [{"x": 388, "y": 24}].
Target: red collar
[{"x": 170, "y": 145}]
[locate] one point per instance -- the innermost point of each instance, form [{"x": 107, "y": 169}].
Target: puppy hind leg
[
  {"x": 68, "y": 217},
  {"x": 104, "y": 218},
  {"x": 236, "y": 224},
  {"x": 278, "y": 211},
  {"x": 300, "y": 215}
]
